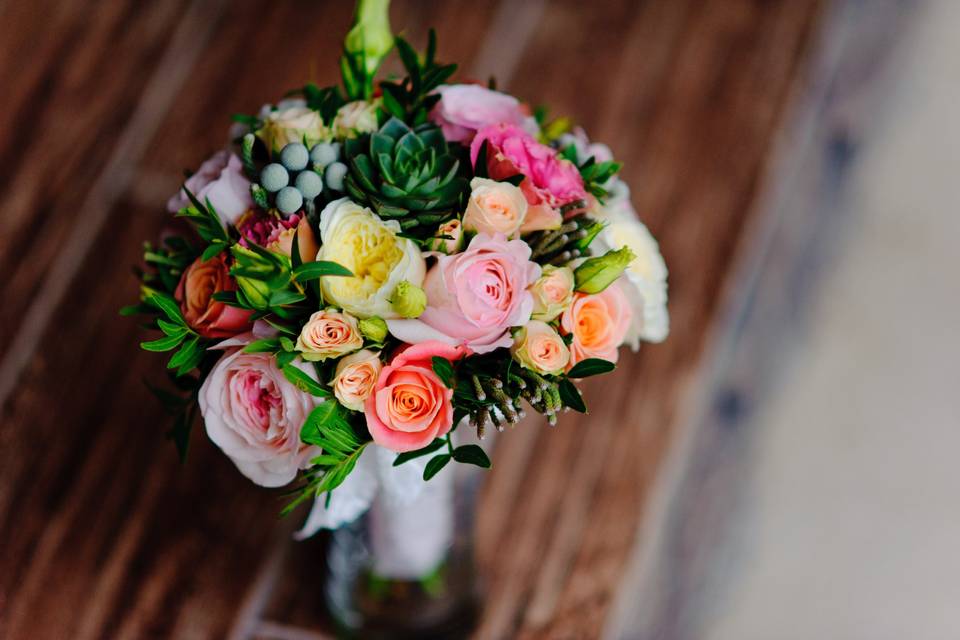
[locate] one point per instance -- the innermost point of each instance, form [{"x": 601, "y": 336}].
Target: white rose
[
  {"x": 292, "y": 124},
  {"x": 647, "y": 273},
  {"x": 370, "y": 248},
  {"x": 254, "y": 414}
]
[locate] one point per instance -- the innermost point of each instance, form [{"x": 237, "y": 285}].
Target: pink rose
[
  {"x": 598, "y": 322},
  {"x": 474, "y": 297},
  {"x": 410, "y": 405},
  {"x": 463, "y": 109},
  {"x": 550, "y": 181},
  {"x": 220, "y": 180},
  {"x": 206, "y": 316},
  {"x": 254, "y": 414}
]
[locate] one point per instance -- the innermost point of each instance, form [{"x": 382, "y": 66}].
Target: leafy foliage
[{"x": 412, "y": 99}]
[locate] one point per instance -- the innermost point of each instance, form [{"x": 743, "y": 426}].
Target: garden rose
[
  {"x": 288, "y": 124},
  {"x": 463, "y": 109},
  {"x": 206, "y": 316},
  {"x": 549, "y": 180},
  {"x": 328, "y": 334},
  {"x": 494, "y": 207},
  {"x": 276, "y": 234},
  {"x": 474, "y": 297},
  {"x": 598, "y": 322},
  {"x": 379, "y": 259},
  {"x": 254, "y": 414},
  {"x": 552, "y": 293},
  {"x": 355, "y": 378},
  {"x": 538, "y": 347},
  {"x": 221, "y": 181},
  {"x": 410, "y": 405}
]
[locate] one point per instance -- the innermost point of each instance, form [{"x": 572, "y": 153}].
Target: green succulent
[{"x": 405, "y": 174}]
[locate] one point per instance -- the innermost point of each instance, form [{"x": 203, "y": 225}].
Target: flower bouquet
[{"x": 379, "y": 272}]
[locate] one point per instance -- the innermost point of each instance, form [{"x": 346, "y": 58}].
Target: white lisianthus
[
  {"x": 370, "y": 248},
  {"x": 355, "y": 118},
  {"x": 647, "y": 273}
]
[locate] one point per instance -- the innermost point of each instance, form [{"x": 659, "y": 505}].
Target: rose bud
[
  {"x": 356, "y": 377},
  {"x": 408, "y": 300},
  {"x": 449, "y": 237},
  {"x": 596, "y": 274},
  {"x": 374, "y": 329}
]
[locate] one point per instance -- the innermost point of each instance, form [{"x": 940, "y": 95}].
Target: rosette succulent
[{"x": 406, "y": 174}]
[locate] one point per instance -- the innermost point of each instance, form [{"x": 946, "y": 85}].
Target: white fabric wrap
[{"x": 411, "y": 521}]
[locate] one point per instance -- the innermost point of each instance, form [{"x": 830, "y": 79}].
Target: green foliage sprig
[{"x": 411, "y": 99}]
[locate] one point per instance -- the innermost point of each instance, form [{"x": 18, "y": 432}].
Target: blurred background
[{"x": 782, "y": 467}]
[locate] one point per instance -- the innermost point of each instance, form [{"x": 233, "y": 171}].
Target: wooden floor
[{"x": 102, "y": 533}]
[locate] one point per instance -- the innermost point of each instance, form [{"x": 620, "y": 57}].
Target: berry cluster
[{"x": 301, "y": 174}]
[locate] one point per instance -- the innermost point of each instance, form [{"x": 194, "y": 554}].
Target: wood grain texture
[{"x": 103, "y": 534}]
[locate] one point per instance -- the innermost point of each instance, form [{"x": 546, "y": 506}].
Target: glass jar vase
[{"x": 405, "y": 568}]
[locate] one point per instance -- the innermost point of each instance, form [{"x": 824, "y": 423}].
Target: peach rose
[
  {"x": 538, "y": 347},
  {"x": 598, "y": 322},
  {"x": 206, "y": 316},
  {"x": 494, "y": 207},
  {"x": 355, "y": 378},
  {"x": 552, "y": 293},
  {"x": 328, "y": 334},
  {"x": 410, "y": 405}
]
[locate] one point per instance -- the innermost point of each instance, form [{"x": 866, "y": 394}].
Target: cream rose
[
  {"x": 356, "y": 377},
  {"x": 379, "y": 259},
  {"x": 292, "y": 124},
  {"x": 494, "y": 207},
  {"x": 552, "y": 293},
  {"x": 538, "y": 347},
  {"x": 254, "y": 414},
  {"x": 329, "y": 334},
  {"x": 355, "y": 118}
]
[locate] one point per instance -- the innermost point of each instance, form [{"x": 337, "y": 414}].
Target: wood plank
[{"x": 103, "y": 535}]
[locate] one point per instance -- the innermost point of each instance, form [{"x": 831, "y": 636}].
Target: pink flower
[
  {"x": 206, "y": 316},
  {"x": 474, "y": 297},
  {"x": 220, "y": 179},
  {"x": 598, "y": 322},
  {"x": 463, "y": 109},
  {"x": 549, "y": 180},
  {"x": 254, "y": 414},
  {"x": 410, "y": 405}
]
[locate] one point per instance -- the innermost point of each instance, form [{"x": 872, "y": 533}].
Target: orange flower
[{"x": 206, "y": 316}]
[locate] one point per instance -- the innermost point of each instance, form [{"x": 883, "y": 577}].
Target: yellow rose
[
  {"x": 293, "y": 124},
  {"x": 495, "y": 207},
  {"x": 370, "y": 248}
]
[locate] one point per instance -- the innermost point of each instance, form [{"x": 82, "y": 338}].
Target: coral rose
[
  {"x": 410, "y": 405},
  {"x": 598, "y": 322},
  {"x": 254, "y": 414},
  {"x": 206, "y": 316},
  {"x": 474, "y": 297}
]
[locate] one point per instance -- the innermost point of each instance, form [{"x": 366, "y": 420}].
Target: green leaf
[
  {"x": 439, "y": 443},
  {"x": 167, "y": 305},
  {"x": 171, "y": 328},
  {"x": 591, "y": 367},
  {"x": 313, "y": 270},
  {"x": 165, "y": 343},
  {"x": 262, "y": 346},
  {"x": 304, "y": 382},
  {"x": 280, "y": 298},
  {"x": 472, "y": 454},
  {"x": 327, "y": 427},
  {"x": 185, "y": 354},
  {"x": 444, "y": 370},
  {"x": 435, "y": 465},
  {"x": 216, "y": 248},
  {"x": 570, "y": 396}
]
